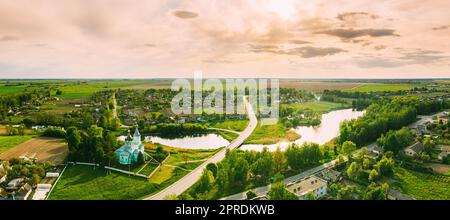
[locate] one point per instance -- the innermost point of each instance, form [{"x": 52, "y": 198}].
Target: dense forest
[{"x": 387, "y": 115}]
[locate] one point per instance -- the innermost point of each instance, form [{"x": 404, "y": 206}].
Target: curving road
[{"x": 187, "y": 181}]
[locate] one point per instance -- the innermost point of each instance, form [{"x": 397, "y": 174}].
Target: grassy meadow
[{"x": 8, "y": 142}]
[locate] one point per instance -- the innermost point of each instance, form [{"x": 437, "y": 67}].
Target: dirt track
[{"x": 44, "y": 149}]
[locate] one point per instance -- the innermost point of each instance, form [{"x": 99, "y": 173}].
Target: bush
[{"x": 54, "y": 132}]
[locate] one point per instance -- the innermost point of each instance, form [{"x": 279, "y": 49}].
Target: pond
[
  {"x": 327, "y": 130},
  {"x": 207, "y": 141}
]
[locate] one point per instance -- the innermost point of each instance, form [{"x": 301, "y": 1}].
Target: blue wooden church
[{"x": 128, "y": 153}]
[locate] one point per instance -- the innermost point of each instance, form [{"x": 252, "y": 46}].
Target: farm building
[
  {"x": 414, "y": 150},
  {"x": 129, "y": 152}
]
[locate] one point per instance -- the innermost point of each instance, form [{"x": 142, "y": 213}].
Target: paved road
[{"x": 187, "y": 181}]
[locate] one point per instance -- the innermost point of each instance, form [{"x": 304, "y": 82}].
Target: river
[
  {"x": 207, "y": 141},
  {"x": 327, "y": 130}
]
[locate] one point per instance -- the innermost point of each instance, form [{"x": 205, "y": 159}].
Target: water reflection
[
  {"x": 327, "y": 130},
  {"x": 207, "y": 141}
]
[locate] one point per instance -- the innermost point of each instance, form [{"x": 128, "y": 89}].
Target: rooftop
[
  {"x": 306, "y": 185},
  {"x": 416, "y": 147}
]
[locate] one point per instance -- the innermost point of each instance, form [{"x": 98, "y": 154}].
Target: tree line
[
  {"x": 384, "y": 116},
  {"x": 241, "y": 170}
]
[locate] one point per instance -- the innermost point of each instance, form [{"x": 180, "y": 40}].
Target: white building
[{"x": 311, "y": 185}]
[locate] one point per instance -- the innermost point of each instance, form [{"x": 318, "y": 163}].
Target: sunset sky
[{"x": 252, "y": 38}]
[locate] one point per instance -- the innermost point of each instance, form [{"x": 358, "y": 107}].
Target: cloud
[
  {"x": 299, "y": 42},
  {"x": 355, "y": 15},
  {"x": 304, "y": 52},
  {"x": 215, "y": 61},
  {"x": 406, "y": 57},
  {"x": 309, "y": 52},
  {"x": 347, "y": 34},
  {"x": 379, "y": 47},
  {"x": 443, "y": 27},
  {"x": 9, "y": 38},
  {"x": 184, "y": 14}
]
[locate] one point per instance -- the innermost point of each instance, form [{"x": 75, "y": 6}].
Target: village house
[
  {"x": 330, "y": 175},
  {"x": 23, "y": 192},
  {"x": 443, "y": 155},
  {"x": 414, "y": 150},
  {"x": 310, "y": 185}
]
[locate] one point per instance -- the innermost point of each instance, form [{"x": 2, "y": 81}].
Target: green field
[
  {"x": 7, "y": 142},
  {"x": 234, "y": 125},
  {"x": 422, "y": 186},
  {"x": 271, "y": 134},
  {"x": 81, "y": 182},
  {"x": 323, "y": 106},
  {"x": 380, "y": 87}
]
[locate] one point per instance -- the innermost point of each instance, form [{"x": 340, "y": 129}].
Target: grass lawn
[
  {"x": 81, "y": 182},
  {"x": 178, "y": 157},
  {"x": 234, "y": 125},
  {"x": 323, "y": 106},
  {"x": 227, "y": 135},
  {"x": 420, "y": 185},
  {"x": 271, "y": 134},
  {"x": 379, "y": 87},
  {"x": 7, "y": 142}
]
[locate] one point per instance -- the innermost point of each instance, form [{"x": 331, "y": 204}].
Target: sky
[{"x": 226, "y": 39}]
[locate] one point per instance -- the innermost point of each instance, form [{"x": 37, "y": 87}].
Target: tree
[
  {"x": 348, "y": 147},
  {"x": 354, "y": 171},
  {"x": 263, "y": 167},
  {"x": 424, "y": 157},
  {"x": 366, "y": 163},
  {"x": 171, "y": 197},
  {"x": 140, "y": 160},
  {"x": 376, "y": 192},
  {"x": 206, "y": 181},
  {"x": 428, "y": 145},
  {"x": 386, "y": 166},
  {"x": 373, "y": 175},
  {"x": 213, "y": 168},
  {"x": 279, "y": 161},
  {"x": 250, "y": 195},
  {"x": 278, "y": 191},
  {"x": 73, "y": 141}
]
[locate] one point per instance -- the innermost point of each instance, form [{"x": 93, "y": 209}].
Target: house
[
  {"x": 310, "y": 185},
  {"x": 15, "y": 183},
  {"x": 376, "y": 150},
  {"x": 23, "y": 192},
  {"x": 38, "y": 127},
  {"x": 329, "y": 175},
  {"x": 51, "y": 175},
  {"x": 414, "y": 150},
  {"x": 129, "y": 152},
  {"x": 443, "y": 155}
]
